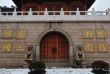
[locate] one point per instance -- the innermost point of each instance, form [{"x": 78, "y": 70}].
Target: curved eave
[
  {"x": 90, "y": 2},
  {"x": 18, "y": 3}
]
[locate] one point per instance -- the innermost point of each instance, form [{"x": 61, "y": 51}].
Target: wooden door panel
[{"x": 54, "y": 41}]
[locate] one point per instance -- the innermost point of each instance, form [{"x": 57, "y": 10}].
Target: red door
[{"x": 54, "y": 47}]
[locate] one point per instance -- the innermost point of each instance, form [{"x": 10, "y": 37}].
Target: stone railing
[
  {"x": 55, "y": 15},
  {"x": 30, "y": 12}
]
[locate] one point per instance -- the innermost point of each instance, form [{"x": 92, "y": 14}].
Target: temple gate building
[{"x": 59, "y": 33}]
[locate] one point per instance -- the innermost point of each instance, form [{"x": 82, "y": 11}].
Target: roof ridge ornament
[
  {"x": 14, "y": 13},
  {"x": 93, "y": 11}
]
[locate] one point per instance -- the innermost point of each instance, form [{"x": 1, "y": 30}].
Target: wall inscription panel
[
  {"x": 21, "y": 34},
  {"x": 20, "y": 46},
  {"x": 87, "y": 33},
  {"x": 102, "y": 47},
  {"x": 6, "y": 47},
  {"x": 100, "y": 33},
  {"x": 7, "y": 33},
  {"x": 88, "y": 47}
]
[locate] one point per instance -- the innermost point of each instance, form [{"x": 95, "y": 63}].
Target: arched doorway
[{"x": 54, "y": 48}]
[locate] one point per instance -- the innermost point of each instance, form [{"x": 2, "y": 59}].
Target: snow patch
[{"x": 49, "y": 71}]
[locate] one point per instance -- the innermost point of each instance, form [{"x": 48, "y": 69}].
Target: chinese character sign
[
  {"x": 20, "y": 46},
  {"x": 7, "y": 47},
  {"x": 100, "y": 33},
  {"x": 7, "y": 33},
  {"x": 88, "y": 47},
  {"x": 21, "y": 34},
  {"x": 87, "y": 33}
]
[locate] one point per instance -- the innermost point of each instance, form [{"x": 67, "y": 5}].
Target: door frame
[{"x": 71, "y": 45}]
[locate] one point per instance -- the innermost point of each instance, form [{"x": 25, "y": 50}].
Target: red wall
[{"x": 55, "y": 5}]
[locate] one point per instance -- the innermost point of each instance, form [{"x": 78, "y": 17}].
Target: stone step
[{"x": 57, "y": 64}]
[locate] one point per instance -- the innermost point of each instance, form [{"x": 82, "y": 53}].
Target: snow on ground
[
  {"x": 49, "y": 71},
  {"x": 69, "y": 71}
]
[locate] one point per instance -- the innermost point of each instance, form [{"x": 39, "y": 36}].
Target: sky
[{"x": 99, "y": 5}]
